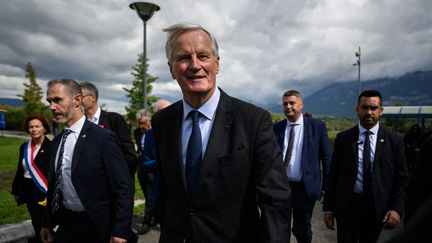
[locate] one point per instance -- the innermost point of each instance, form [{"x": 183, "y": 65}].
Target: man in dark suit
[
  {"x": 305, "y": 145},
  {"x": 90, "y": 193},
  {"x": 109, "y": 120},
  {"x": 368, "y": 176},
  {"x": 221, "y": 176}
]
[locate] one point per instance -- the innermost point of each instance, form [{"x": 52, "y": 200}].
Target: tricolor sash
[{"x": 36, "y": 175}]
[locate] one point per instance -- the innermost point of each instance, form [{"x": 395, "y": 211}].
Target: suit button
[{"x": 192, "y": 212}]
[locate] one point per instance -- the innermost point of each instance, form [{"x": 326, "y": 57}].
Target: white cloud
[{"x": 266, "y": 46}]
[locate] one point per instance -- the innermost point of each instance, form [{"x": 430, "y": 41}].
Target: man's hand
[
  {"x": 117, "y": 240},
  {"x": 329, "y": 220},
  {"x": 46, "y": 236},
  {"x": 391, "y": 219}
]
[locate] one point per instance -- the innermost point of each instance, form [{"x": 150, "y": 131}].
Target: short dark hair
[
  {"x": 72, "y": 86},
  {"x": 370, "y": 93},
  {"x": 41, "y": 119},
  {"x": 90, "y": 87}
]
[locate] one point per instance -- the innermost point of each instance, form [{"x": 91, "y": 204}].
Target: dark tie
[
  {"x": 57, "y": 194},
  {"x": 367, "y": 175},
  {"x": 290, "y": 146},
  {"x": 194, "y": 151}
]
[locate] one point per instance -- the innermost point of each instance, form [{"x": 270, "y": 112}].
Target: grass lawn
[{"x": 9, "y": 212}]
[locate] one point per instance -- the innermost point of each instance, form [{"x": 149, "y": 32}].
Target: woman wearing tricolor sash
[{"x": 30, "y": 183}]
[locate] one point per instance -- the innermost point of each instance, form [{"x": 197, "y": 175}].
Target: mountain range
[
  {"x": 339, "y": 99},
  {"x": 11, "y": 102}
]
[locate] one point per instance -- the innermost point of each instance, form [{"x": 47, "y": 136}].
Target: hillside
[
  {"x": 11, "y": 102},
  {"x": 339, "y": 99}
]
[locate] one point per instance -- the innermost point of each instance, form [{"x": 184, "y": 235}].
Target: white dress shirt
[
  {"x": 206, "y": 119},
  {"x": 294, "y": 170},
  {"x": 71, "y": 200},
  {"x": 95, "y": 118},
  {"x": 358, "y": 186}
]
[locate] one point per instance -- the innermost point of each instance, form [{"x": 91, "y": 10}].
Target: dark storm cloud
[{"x": 266, "y": 46}]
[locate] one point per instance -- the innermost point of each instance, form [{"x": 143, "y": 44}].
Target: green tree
[
  {"x": 14, "y": 118},
  {"x": 33, "y": 95},
  {"x": 135, "y": 93}
]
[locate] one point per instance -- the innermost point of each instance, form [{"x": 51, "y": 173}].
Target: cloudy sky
[{"x": 266, "y": 47}]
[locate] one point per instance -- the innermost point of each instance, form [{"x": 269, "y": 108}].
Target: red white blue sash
[{"x": 36, "y": 175}]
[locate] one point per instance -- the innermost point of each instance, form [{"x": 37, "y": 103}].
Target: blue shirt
[{"x": 208, "y": 112}]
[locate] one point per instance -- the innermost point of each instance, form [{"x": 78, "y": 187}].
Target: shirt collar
[
  {"x": 208, "y": 109},
  {"x": 298, "y": 122},
  {"x": 77, "y": 126},
  {"x": 96, "y": 116},
  {"x": 374, "y": 129}
]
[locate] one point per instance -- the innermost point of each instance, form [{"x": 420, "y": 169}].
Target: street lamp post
[
  {"x": 358, "y": 55},
  {"x": 145, "y": 12}
]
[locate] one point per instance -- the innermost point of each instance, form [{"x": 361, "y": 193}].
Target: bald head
[{"x": 160, "y": 104}]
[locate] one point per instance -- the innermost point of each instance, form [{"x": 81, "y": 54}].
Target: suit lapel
[
  {"x": 173, "y": 130},
  {"x": 103, "y": 120},
  {"x": 82, "y": 138},
  {"x": 379, "y": 145},
  {"x": 38, "y": 159},
  {"x": 55, "y": 147},
  {"x": 281, "y": 133},
  {"x": 354, "y": 134},
  {"x": 219, "y": 135},
  {"x": 306, "y": 139}
]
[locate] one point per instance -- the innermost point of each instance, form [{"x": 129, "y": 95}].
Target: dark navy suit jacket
[
  {"x": 116, "y": 123},
  {"x": 242, "y": 195},
  {"x": 389, "y": 173},
  {"x": 101, "y": 179},
  {"x": 316, "y": 151}
]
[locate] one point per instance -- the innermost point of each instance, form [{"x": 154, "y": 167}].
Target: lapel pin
[
  {"x": 227, "y": 126},
  {"x": 102, "y": 126},
  {"x": 382, "y": 140},
  {"x": 84, "y": 136},
  {"x": 41, "y": 151},
  {"x": 359, "y": 142}
]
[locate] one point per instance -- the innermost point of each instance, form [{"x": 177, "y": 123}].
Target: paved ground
[{"x": 321, "y": 233}]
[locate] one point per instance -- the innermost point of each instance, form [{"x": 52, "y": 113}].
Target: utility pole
[{"x": 358, "y": 64}]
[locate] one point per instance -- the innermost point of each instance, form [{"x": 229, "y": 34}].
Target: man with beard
[
  {"x": 90, "y": 193},
  {"x": 368, "y": 176}
]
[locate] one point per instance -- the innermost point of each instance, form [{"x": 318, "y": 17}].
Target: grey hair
[
  {"x": 71, "y": 85},
  {"x": 142, "y": 113},
  {"x": 160, "y": 104},
  {"x": 176, "y": 30},
  {"x": 91, "y": 88}
]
